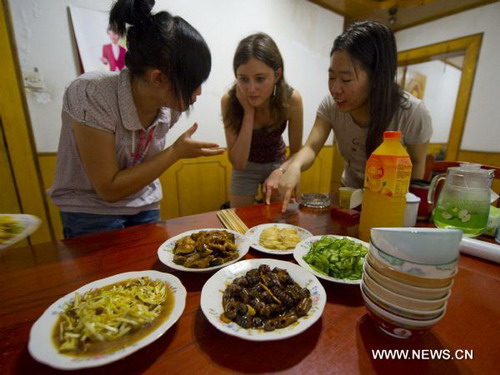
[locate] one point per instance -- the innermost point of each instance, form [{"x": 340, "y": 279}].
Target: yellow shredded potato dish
[
  {"x": 279, "y": 238},
  {"x": 109, "y": 318},
  {"x": 9, "y": 227}
]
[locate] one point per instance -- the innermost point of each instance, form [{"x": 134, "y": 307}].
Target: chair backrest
[{"x": 433, "y": 166}]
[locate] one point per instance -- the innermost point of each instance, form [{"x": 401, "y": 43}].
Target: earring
[{"x": 274, "y": 90}]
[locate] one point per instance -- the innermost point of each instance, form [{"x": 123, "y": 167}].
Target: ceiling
[{"x": 400, "y": 14}]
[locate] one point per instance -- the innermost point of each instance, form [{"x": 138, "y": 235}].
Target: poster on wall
[
  {"x": 415, "y": 83},
  {"x": 99, "y": 47}
]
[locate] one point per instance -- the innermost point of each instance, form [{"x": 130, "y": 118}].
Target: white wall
[
  {"x": 482, "y": 127},
  {"x": 303, "y": 31}
]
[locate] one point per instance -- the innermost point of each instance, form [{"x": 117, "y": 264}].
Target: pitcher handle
[{"x": 432, "y": 188}]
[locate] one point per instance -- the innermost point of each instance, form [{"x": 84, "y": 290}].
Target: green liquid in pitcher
[{"x": 471, "y": 223}]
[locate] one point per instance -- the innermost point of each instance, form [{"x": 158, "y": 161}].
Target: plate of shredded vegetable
[
  {"x": 15, "y": 227},
  {"x": 334, "y": 258},
  {"x": 276, "y": 238},
  {"x": 107, "y": 320}
]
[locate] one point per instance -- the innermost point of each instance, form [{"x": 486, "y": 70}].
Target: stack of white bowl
[{"x": 408, "y": 277}]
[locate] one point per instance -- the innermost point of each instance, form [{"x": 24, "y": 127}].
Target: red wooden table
[{"x": 342, "y": 341}]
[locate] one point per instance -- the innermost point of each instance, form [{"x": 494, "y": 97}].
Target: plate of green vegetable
[{"x": 339, "y": 259}]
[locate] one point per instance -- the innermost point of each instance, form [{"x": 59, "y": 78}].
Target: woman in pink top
[
  {"x": 113, "y": 54},
  {"x": 256, "y": 111}
]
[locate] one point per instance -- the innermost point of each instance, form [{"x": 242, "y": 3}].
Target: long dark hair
[
  {"x": 263, "y": 48},
  {"x": 373, "y": 47},
  {"x": 162, "y": 41}
]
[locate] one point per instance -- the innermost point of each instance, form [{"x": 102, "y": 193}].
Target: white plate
[
  {"x": 43, "y": 350},
  {"x": 254, "y": 235},
  {"x": 303, "y": 248},
  {"x": 166, "y": 250},
  {"x": 211, "y": 300},
  {"x": 28, "y": 223}
]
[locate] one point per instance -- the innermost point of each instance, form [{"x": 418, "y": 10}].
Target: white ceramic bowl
[
  {"x": 408, "y": 278},
  {"x": 414, "y": 268},
  {"x": 405, "y": 289},
  {"x": 401, "y": 311},
  {"x": 395, "y": 325},
  {"x": 428, "y": 246},
  {"x": 402, "y": 301}
]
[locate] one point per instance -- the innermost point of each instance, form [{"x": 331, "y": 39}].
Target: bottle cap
[{"x": 392, "y": 134}]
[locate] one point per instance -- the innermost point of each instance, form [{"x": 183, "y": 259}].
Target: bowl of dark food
[
  {"x": 263, "y": 299},
  {"x": 334, "y": 258},
  {"x": 107, "y": 320},
  {"x": 203, "y": 250}
]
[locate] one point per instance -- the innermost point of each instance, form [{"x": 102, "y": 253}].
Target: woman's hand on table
[
  {"x": 289, "y": 185},
  {"x": 270, "y": 187}
]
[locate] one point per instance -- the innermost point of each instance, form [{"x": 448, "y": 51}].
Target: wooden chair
[{"x": 433, "y": 166}]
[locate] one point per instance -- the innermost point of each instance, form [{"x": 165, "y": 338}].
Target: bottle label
[{"x": 388, "y": 175}]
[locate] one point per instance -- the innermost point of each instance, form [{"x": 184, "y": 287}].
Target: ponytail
[{"x": 162, "y": 41}]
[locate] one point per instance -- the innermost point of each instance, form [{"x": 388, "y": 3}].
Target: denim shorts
[
  {"x": 246, "y": 182},
  {"x": 78, "y": 223}
]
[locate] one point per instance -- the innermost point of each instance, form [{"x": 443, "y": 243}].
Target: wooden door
[{"x": 19, "y": 165}]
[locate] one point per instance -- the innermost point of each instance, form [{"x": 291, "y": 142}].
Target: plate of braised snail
[{"x": 263, "y": 299}]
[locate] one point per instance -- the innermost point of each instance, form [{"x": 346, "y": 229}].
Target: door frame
[
  {"x": 471, "y": 45},
  {"x": 19, "y": 140}
]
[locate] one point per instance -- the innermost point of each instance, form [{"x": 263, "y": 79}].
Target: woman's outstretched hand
[
  {"x": 271, "y": 185},
  {"x": 289, "y": 185},
  {"x": 187, "y": 147}
]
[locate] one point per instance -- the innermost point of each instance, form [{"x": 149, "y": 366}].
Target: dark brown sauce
[{"x": 100, "y": 348}]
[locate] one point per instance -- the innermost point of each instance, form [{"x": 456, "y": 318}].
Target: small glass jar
[{"x": 315, "y": 200}]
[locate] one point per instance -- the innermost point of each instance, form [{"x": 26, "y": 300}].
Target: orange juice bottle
[{"x": 387, "y": 177}]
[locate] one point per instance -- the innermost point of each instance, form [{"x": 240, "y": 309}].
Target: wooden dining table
[{"x": 343, "y": 341}]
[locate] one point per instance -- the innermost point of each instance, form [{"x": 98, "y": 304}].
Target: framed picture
[
  {"x": 415, "y": 83},
  {"x": 99, "y": 47}
]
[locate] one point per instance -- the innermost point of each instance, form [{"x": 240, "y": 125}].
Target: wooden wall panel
[
  {"x": 47, "y": 163},
  {"x": 317, "y": 178},
  {"x": 201, "y": 185}
]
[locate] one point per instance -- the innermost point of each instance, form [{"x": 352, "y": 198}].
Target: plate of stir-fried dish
[
  {"x": 263, "y": 299},
  {"x": 15, "y": 227},
  {"x": 107, "y": 320},
  {"x": 203, "y": 250}
]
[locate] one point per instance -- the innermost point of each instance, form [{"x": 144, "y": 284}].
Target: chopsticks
[{"x": 231, "y": 220}]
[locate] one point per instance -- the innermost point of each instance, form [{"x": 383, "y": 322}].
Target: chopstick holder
[{"x": 480, "y": 249}]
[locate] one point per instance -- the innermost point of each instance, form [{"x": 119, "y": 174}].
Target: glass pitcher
[{"x": 464, "y": 201}]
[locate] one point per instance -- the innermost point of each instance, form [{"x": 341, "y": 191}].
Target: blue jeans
[{"x": 78, "y": 224}]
